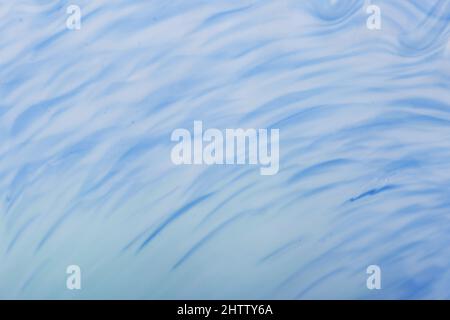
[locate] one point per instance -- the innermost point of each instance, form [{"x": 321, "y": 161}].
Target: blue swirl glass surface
[{"x": 86, "y": 176}]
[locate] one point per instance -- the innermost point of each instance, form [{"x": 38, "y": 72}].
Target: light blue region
[{"x": 86, "y": 176}]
